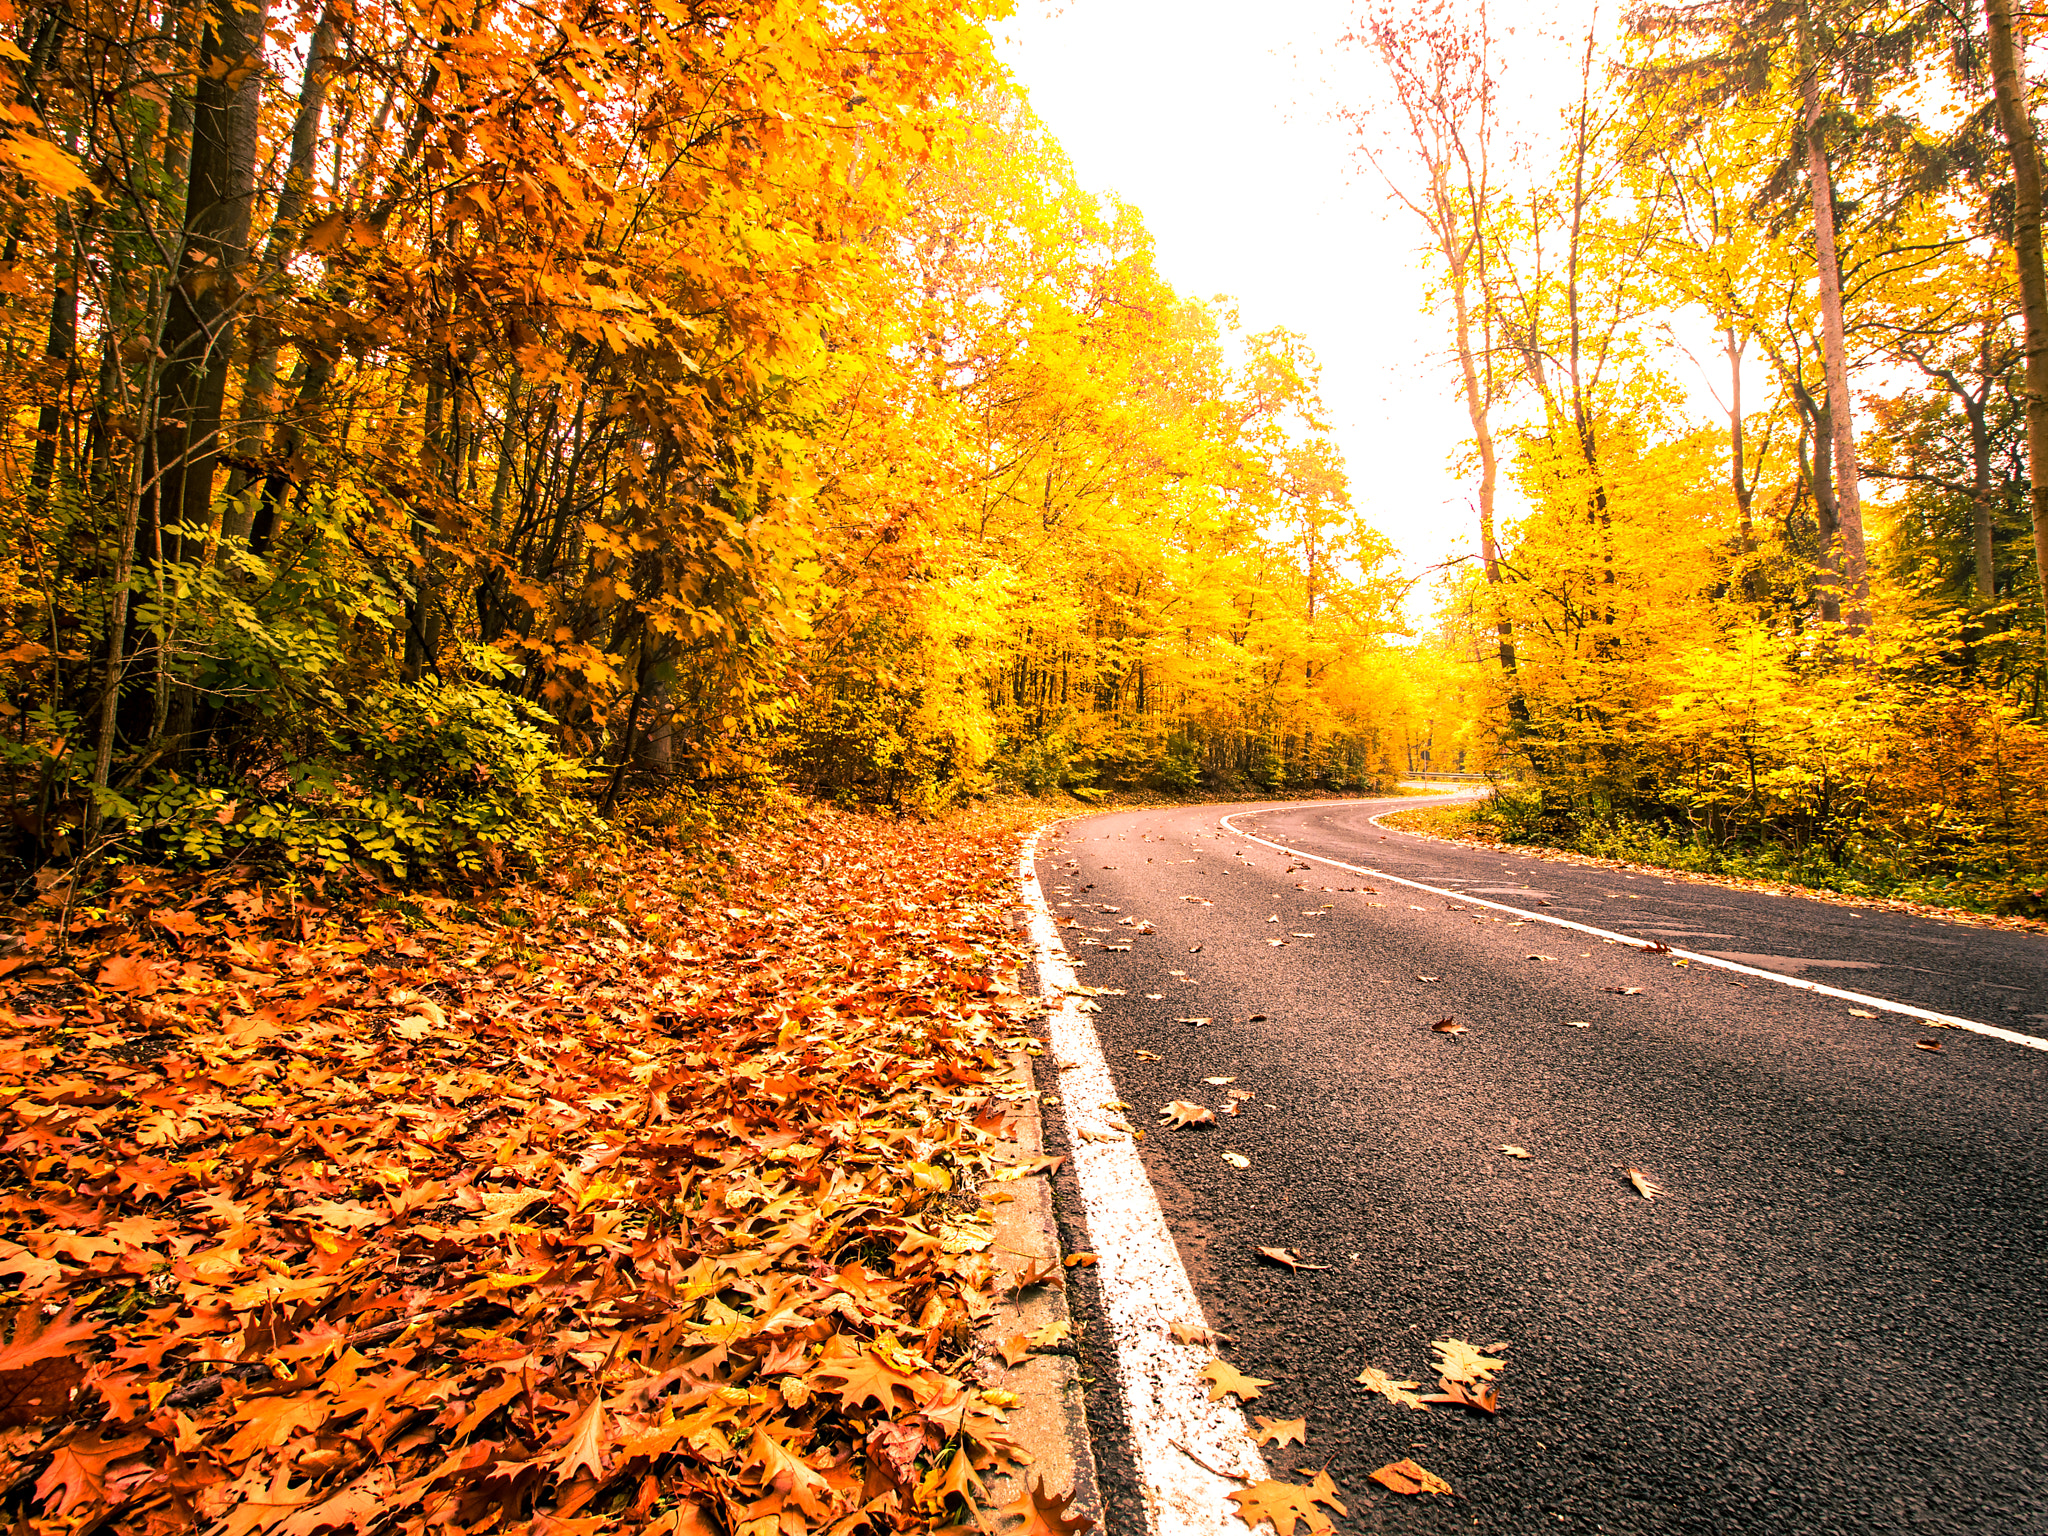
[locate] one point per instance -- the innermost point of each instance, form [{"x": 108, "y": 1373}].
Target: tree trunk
[
  {"x": 199, "y": 326},
  {"x": 266, "y": 337},
  {"x": 1848, "y": 497},
  {"x": 1737, "y": 470},
  {"x": 198, "y": 333},
  {"x": 2010, "y": 92}
]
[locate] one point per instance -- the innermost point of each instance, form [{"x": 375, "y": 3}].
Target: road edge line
[
  {"x": 1693, "y": 957},
  {"x": 1144, "y": 1284}
]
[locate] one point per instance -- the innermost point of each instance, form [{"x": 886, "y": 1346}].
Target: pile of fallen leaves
[{"x": 644, "y": 1198}]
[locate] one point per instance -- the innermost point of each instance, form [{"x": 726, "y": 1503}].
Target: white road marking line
[
  {"x": 1144, "y": 1285},
  {"x": 2010, "y": 1036}
]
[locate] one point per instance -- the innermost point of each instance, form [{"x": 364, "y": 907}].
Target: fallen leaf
[
  {"x": 1190, "y": 1021},
  {"x": 1257, "y": 1018},
  {"x": 1218, "y": 1082},
  {"x": 1466, "y": 1395},
  {"x": 1081, "y": 1260},
  {"x": 1514, "y": 1151},
  {"x": 1405, "y": 1476},
  {"x": 1236, "y": 1159},
  {"x": 1429, "y": 978},
  {"x": 1224, "y": 1380},
  {"x": 1289, "y": 1504},
  {"x": 1280, "y": 1431},
  {"x": 1928, "y": 1045},
  {"x": 1191, "y": 1333},
  {"x": 1540, "y": 957},
  {"x": 127, "y": 973},
  {"x": 1578, "y": 1024},
  {"x": 1401, "y": 1392},
  {"x": 1150, "y": 1056},
  {"x": 1861, "y": 1013},
  {"x": 1459, "y": 1361},
  {"x": 1290, "y": 1258},
  {"x": 1185, "y": 1112},
  {"x": 1647, "y": 1187},
  {"x": 1624, "y": 991},
  {"x": 1015, "y": 1350},
  {"x": 1449, "y": 1027},
  {"x": 1043, "y": 1513}
]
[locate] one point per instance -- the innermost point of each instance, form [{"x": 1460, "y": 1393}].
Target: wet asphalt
[{"x": 1834, "y": 1318}]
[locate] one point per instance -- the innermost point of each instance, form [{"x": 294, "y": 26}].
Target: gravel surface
[{"x": 1831, "y": 1320}]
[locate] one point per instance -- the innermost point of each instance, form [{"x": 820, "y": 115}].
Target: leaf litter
[{"x": 639, "y": 1196}]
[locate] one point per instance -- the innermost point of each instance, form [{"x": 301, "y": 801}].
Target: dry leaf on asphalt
[
  {"x": 1429, "y": 978},
  {"x": 1449, "y": 1027},
  {"x": 1861, "y": 1013},
  {"x": 1150, "y": 1056},
  {"x": 1043, "y": 1513},
  {"x": 1459, "y": 1361},
  {"x": 1191, "y": 1333},
  {"x": 1186, "y": 1112},
  {"x": 1624, "y": 991},
  {"x": 1218, "y": 1082},
  {"x": 1224, "y": 1379},
  {"x": 1514, "y": 1151},
  {"x": 1236, "y": 1159},
  {"x": 1290, "y": 1258},
  {"x": 1401, "y": 1392},
  {"x": 1190, "y": 1021},
  {"x": 1646, "y": 1186},
  {"x": 1928, "y": 1045},
  {"x": 1405, "y": 1476},
  {"x": 1464, "y": 1394},
  {"x": 1285, "y": 1504},
  {"x": 1280, "y": 1431},
  {"x": 1578, "y": 1024}
]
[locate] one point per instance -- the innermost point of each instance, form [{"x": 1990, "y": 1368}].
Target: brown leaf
[
  {"x": 1928, "y": 1045},
  {"x": 1044, "y": 1513},
  {"x": 1185, "y": 1112},
  {"x": 1281, "y": 1431},
  {"x": 1647, "y": 1187},
  {"x": 1289, "y": 1257},
  {"x": 1223, "y": 1380},
  {"x": 1405, "y": 1476},
  {"x": 1466, "y": 1395},
  {"x": 1015, "y": 1350},
  {"x": 1514, "y": 1151},
  {"x": 1449, "y": 1027}
]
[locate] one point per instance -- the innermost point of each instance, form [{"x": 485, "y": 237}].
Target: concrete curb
[{"x": 1049, "y": 1420}]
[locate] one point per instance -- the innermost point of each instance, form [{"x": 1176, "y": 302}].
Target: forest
[{"x": 426, "y": 426}]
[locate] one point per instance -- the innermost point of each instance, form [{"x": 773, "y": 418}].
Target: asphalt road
[{"x": 1833, "y": 1319}]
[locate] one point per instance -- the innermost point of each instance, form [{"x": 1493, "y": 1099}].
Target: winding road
[{"x": 1832, "y": 1317}]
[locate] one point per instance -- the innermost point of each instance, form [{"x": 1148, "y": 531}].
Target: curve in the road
[{"x": 1798, "y": 983}]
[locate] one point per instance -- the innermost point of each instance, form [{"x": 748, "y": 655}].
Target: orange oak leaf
[
  {"x": 1041, "y": 1513},
  {"x": 1281, "y": 1431},
  {"x": 1224, "y": 1379},
  {"x": 1289, "y": 1504},
  {"x": 1407, "y": 1477}
]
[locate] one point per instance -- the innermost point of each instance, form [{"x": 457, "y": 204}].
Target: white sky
[{"x": 1215, "y": 121}]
